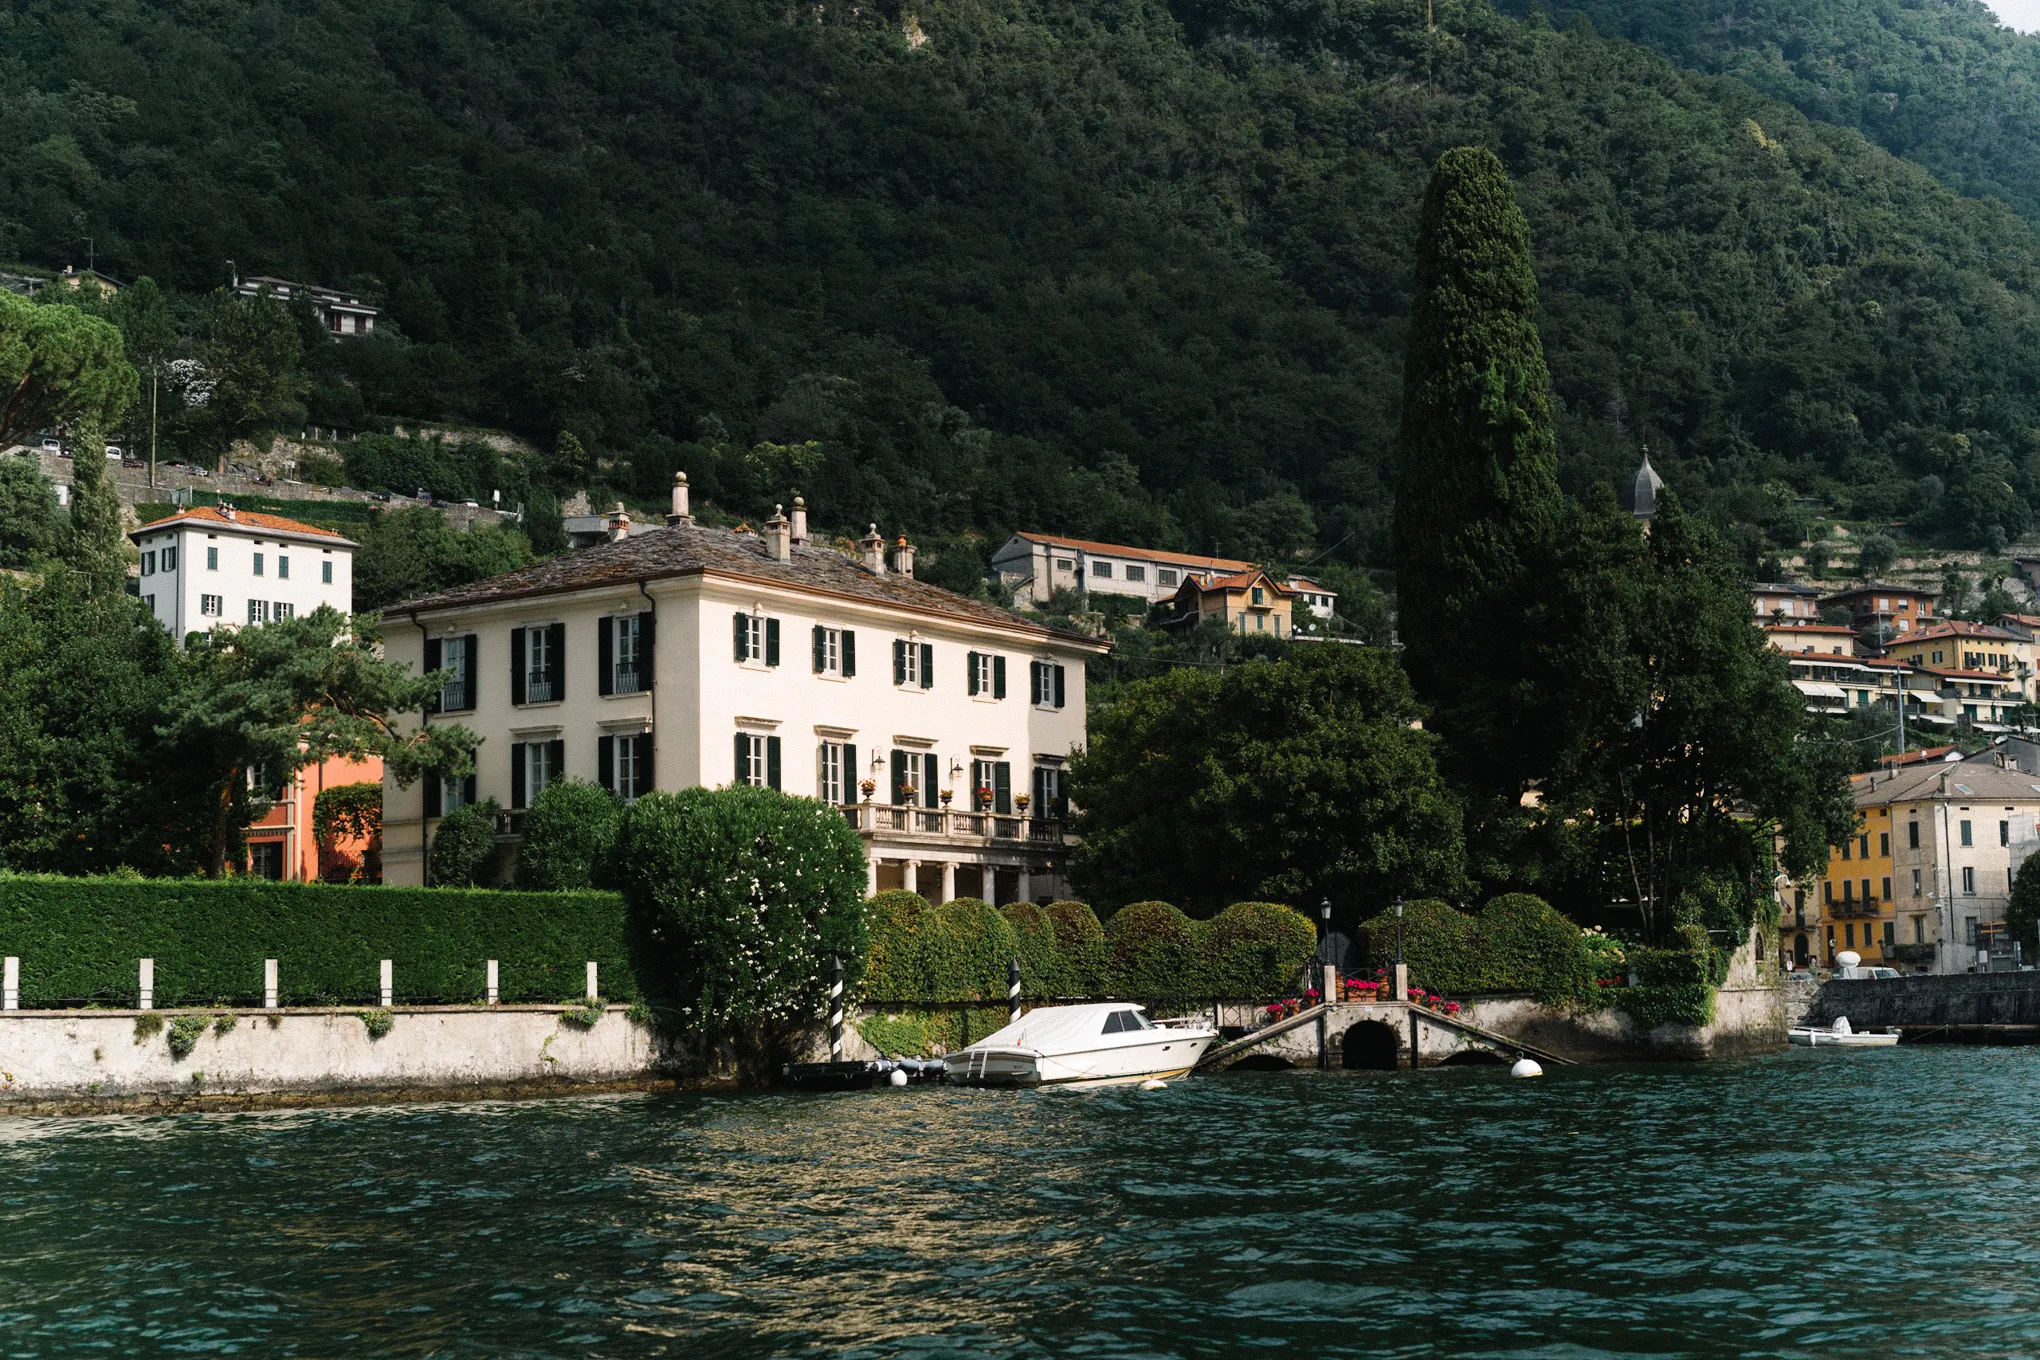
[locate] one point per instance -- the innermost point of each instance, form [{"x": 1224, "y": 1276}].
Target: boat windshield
[{"x": 1123, "y": 1022}]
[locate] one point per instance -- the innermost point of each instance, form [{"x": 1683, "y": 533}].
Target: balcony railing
[
  {"x": 454, "y": 697},
  {"x": 538, "y": 689},
  {"x": 952, "y": 825},
  {"x": 627, "y": 679}
]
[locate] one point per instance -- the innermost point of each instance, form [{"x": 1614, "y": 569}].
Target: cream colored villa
[{"x": 682, "y": 655}]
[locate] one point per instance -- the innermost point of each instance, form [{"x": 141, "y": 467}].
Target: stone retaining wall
[{"x": 1924, "y": 1002}]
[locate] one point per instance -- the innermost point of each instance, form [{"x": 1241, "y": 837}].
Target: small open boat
[
  {"x": 1840, "y": 1035},
  {"x": 1092, "y": 1045}
]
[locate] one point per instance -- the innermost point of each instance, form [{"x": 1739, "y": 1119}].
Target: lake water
[{"x": 1866, "y": 1203}]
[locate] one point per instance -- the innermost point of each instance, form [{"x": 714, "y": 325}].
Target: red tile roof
[
  {"x": 243, "y": 519},
  {"x": 1958, "y": 628},
  {"x": 1914, "y": 757}
]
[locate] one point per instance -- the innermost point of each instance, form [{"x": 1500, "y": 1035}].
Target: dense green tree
[
  {"x": 569, "y": 837},
  {"x": 2022, "y": 912},
  {"x": 1478, "y": 504},
  {"x": 98, "y": 542},
  {"x": 463, "y": 844},
  {"x": 412, "y": 552},
  {"x": 249, "y": 353},
  {"x": 1285, "y": 780},
  {"x": 58, "y": 364},
  {"x": 264, "y": 702},
  {"x": 88, "y": 782},
  {"x": 31, "y": 526},
  {"x": 740, "y": 897}
]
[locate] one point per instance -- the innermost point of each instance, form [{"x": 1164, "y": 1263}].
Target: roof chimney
[
  {"x": 777, "y": 538},
  {"x": 903, "y": 557},
  {"x": 227, "y": 510},
  {"x": 800, "y": 537},
  {"x": 619, "y": 523},
  {"x": 871, "y": 548},
  {"x": 1944, "y": 783},
  {"x": 679, "y": 515}
]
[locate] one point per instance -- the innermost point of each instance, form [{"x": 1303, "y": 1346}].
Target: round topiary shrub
[
  {"x": 463, "y": 845},
  {"x": 1041, "y": 967},
  {"x": 1153, "y": 951},
  {"x": 978, "y": 945},
  {"x": 1080, "y": 940},
  {"x": 569, "y": 838},
  {"x": 740, "y": 897},
  {"x": 1438, "y": 945},
  {"x": 1530, "y": 947},
  {"x": 1256, "y": 949},
  {"x": 902, "y": 944}
]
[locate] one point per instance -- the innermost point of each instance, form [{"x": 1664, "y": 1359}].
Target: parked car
[
  {"x": 1879, "y": 972},
  {"x": 113, "y": 451},
  {"x": 50, "y": 444}
]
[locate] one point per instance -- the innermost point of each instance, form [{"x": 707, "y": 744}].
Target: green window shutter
[
  {"x": 555, "y": 762},
  {"x": 432, "y": 795},
  {"x": 517, "y": 775},
  {"x": 1002, "y": 786},
  {"x": 556, "y": 661},
  {"x": 646, "y": 776},
  {"x": 970, "y": 672},
  {"x": 1058, "y": 686},
  {"x": 647, "y": 635},
  {"x": 743, "y": 759},
  {"x": 931, "y": 775},
  {"x": 517, "y": 668},
  {"x": 772, "y": 762},
  {"x": 467, "y": 790},
  {"x": 927, "y": 665},
  {"x": 432, "y": 663},
  {"x": 998, "y": 677},
  {"x": 741, "y": 636},
  {"x": 605, "y": 762},
  {"x": 605, "y": 656},
  {"x": 772, "y": 642},
  {"x": 899, "y": 777},
  {"x": 849, "y": 653},
  {"x": 899, "y": 661},
  {"x": 471, "y": 670},
  {"x": 821, "y": 648},
  {"x": 850, "y": 776}
]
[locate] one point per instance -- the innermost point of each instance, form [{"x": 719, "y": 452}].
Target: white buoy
[
  {"x": 1526, "y": 1067},
  {"x": 1153, "y": 1084},
  {"x": 898, "y": 1078}
]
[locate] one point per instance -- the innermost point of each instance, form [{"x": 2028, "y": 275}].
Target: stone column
[
  {"x": 1402, "y": 982},
  {"x": 910, "y": 876},
  {"x": 948, "y": 880},
  {"x": 871, "y": 876},
  {"x": 1025, "y": 891}
]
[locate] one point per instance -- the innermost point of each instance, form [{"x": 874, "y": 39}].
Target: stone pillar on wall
[
  {"x": 1025, "y": 891},
  {"x": 871, "y": 876},
  {"x": 948, "y": 880},
  {"x": 910, "y": 876}
]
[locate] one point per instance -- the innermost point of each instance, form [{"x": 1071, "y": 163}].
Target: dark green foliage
[
  {"x": 570, "y": 838},
  {"x": 739, "y": 899},
  {"x": 88, "y": 779},
  {"x": 412, "y": 552},
  {"x": 905, "y": 961},
  {"x": 348, "y": 810},
  {"x": 1673, "y": 986},
  {"x": 1080, "y": 940},
  {"x": 1153, "y": 951},
  {"x": 31, "y": 527},
  {"x": 1478, "y": 498},
  {"x": 185, "y": 1032},
  {"x": 2022, "y": 912},
  {"x": 1294, "y": 779},
  {"x": 79, "y": 939},
  {"x": 1042, "y": 969},
  {"x": 463, "y": 844},
  {"x": 1253, "y": 948},
  {"x": 1529, "y": 947},
  {"x": 1438, "y": 944},
  {"x": 1176, "y": 232}
]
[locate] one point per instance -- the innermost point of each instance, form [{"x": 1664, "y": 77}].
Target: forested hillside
[
  {"x": 1106, "y": 266},
  {"x": 1938, "y": 81}
]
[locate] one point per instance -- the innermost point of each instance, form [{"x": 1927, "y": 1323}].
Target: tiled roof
[
  {"x": 661, "y": 553},
  {"x": 1931, "y": 753},
  {"x": 1881, "y": 588},
  {"x": 1243, "y": 581},
  {"x": 1225, "y": 564},
  {"x": 1781, "y": 588},
  {"x": 1790, "y": 629},
  {"x": 1966, "y": 780},
  {"x": 252, "y": 520},
  {"x": 1959, "y": 628}
]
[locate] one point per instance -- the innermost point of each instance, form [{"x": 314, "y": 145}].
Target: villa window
[
  {"x": 836, "y": 773},
  {"x": 444, "y": 794},
  {"x": 534, "y": 767},
  {"x": 623, "y": 764},
  {"x": 538, "y": 664},
  {"x": 282, "y": 567},
  {"x": 835, "y": 652},
  {"x": 624, "y": 665},
  {"x": 169, "y": 559},
  {"x": 258, "y": 564},
  {"x": 915, "y": 776},
  {"x": 1048, "y": 686},
  {"x": 992, "y": 780},
  {"x": 258, "y": 611},
  {"x": 325, "y": 573},
  {"x": 1103, "y": 570},
  {"x": 212, "y": 606},
  {"x": 1165, "y": 577},
  {"x": 756, "y": 638},
  {"x": 757, "y": 760},
  {"x": 456, "y": 654},
  {"x": 987, "y": 675},
  {"x": 1134, "y": 573},
  {"x": 913, "y": 663}
]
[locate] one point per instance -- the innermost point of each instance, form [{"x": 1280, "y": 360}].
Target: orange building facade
[{"x": 282, "y": 845}]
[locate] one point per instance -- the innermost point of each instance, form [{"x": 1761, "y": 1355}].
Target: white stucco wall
[{"x": 174, "y": 594}]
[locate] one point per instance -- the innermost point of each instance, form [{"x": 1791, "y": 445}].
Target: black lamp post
[{"x": 1398, "y": 932}]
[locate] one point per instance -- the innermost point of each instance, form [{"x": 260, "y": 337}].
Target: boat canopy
[{"x": 1059, "y": 1029}]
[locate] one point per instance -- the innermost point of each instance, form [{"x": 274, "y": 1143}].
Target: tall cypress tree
[{"x": 1478, "y": 503}]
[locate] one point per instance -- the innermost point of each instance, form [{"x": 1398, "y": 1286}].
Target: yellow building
[
  {"x": 1853, "y": 908},
  {"x": 1250, "y": 602},
  {"x": 1954, "y": 645}
]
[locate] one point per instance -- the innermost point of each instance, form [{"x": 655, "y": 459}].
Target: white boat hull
[
  {"x": 1163, "y": 1054},
  {"x": 1821, "y": 1038}
]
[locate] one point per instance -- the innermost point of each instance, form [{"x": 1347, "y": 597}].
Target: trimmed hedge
[
  {"x": 923, "y": 954},
  {"x": 1517, "y": 943},
  {"x": 79, "y": 940}
]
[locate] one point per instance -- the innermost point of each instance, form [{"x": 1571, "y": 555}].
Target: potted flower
[
  {"x": 946, "y": 795},
  {"x": 984, "y": 797},
  {"x": 1021, "y": 800},
  {"x": 868, "y": 787},
  {"x": 1312, "y": 997}
]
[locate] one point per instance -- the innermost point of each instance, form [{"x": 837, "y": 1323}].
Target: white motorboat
[
  {"x": 1839, "y": 1035},
  {"x": 1092, "y": 1045}
]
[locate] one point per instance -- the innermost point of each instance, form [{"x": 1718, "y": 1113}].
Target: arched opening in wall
[
  {"x": 1261, "y": 1062},
  {"x": 1371, "y": 1046},
  {"x": 1475, "y": 1057}
]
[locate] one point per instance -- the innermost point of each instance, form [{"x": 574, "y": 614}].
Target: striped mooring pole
[
  {"x": 1013, "y": 991},
  {"x": 835, "y": 1010}
]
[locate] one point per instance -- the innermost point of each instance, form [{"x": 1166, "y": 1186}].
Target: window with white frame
[
  {"x": 756, "y": 638},
  {"x": 212, "y": 606},
  {"x": 282, "y": 609},
  {"x": 258, "y": 611},
  {"x": 282, "y": 567},
  {"x": 913, "y": 663},
  {"x": 1048, "y": 687},
  {"x": 148, "y": 564},
  {"x": 624, "y": 765},
  {"x": 455, "y": 654},
  {"x": 757, "y": 760},
  {"x": 987, "y": 675},
  {"x": 1969, "y": 880},
  {"x": 535, "y": 766},
  {"x": 835, "y": 651},
  {"x": 538, "y": 663},
  {"x": 625, "y": 653},
  {"x": 836, "y": 772},
  {"x": 169, "y": 559}
]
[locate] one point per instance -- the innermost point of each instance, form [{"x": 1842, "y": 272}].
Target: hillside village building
[
  {"x": 339, "y": 313},
  {"x": 1036, "y": 566},
  {"x": 206, "y": 566},
  {"x": 1784, "y": 602},
  {"x": 1958, "y": 645},
  {"x": 1250, "y": 603},
  {"x": 679, "y": 656},
  {"x": 1883, "y": 611},
  {"x": 1923, "y": 883}
]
